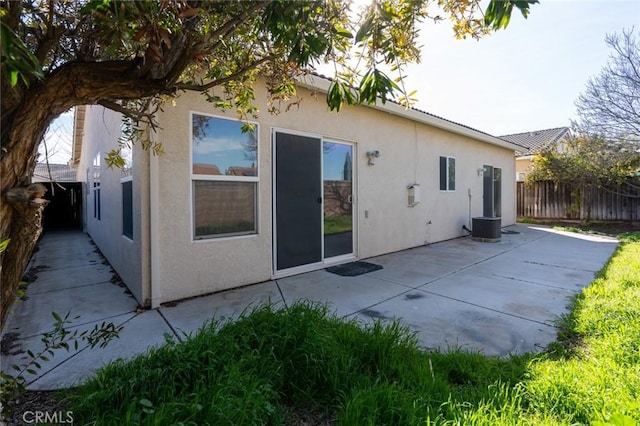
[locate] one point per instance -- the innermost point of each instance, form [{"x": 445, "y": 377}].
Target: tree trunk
[
  {"x": 24, "y": 125},
  {"x": 20, "y": 215},
  {"x": 24, "y": 233}
]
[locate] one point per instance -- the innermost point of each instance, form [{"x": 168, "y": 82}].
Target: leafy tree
[
  {"x": 610, "y": 105},
  {"x": 606, "y": 155},
  {"x": 590, "y": 162},
  {"x": 131, "y": 56}
]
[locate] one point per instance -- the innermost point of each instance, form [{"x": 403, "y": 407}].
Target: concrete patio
[{"x": 497, "y": 298}]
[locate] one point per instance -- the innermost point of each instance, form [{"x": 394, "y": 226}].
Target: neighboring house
[
  {"x": 307, "y": 189},
  {"x": 64, "y": 193},
  {"x": 534, "y": 142}
]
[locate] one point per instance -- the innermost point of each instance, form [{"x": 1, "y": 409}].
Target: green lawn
[
  {"x": 274, "y": 366},
  {"x": 337, "y": 224}
]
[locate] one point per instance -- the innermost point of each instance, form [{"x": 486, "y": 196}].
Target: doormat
[{"x": 353, "y": 269}]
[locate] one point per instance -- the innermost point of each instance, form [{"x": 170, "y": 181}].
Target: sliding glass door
[
  {"x": 313, "y": 200},
  {"x": 337, "y": 170}
]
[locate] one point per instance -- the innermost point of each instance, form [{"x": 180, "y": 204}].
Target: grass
[
  {"x": 594, "y": 373},
  {"x": 273, "y": 364},
  {"x": 337, "y": 224}
]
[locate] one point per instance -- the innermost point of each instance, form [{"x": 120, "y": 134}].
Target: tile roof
[
  {"x": 59, "y": 173},
  {"x": 536, "y": 139}
]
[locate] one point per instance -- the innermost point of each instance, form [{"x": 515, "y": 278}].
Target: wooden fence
[{"x": 548, "y": 200}]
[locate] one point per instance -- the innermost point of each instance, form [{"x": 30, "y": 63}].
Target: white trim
[
  {"x": 354, "y": 198},
  {"x": 196, "y": 176},
  {"x": 447, "y": 173},
  {"x": 225, "y": 237},
  {"x": 223, "y": 178},
  {"x": 331, "y": 261},
  {"x": 295, "y": 132},
  {"x": 230, "y": 235},
  {"x": 126, "y": 179},
  {"x": 274, "y": 206},
  {"x": 325, "y": 261},
  {"x": 274, "y": 229}
]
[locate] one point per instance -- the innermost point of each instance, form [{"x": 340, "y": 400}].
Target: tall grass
[
  {"x": 594, "y": 373},
  {"x": 269, "y": 363},
  {"x": 272, "y": 364}
]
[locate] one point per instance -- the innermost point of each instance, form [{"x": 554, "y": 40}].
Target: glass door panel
[{"x": 338, "y": 198}]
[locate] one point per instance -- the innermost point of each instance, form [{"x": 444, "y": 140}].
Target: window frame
[
  {"x": 96, "y": 172},
  {"x": 448, "y": 183},
  {"x": 195, "y": 177}
]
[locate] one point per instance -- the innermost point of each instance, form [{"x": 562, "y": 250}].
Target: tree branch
[
  {"x": 14, "y": 13},
  {"x": 220, "y": 81},
  {"x": 114, "y": 106}
]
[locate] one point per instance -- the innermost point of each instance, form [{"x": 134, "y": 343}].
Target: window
[
  {"x": 447, "y": 174},
  {"x": 95, "y": 176},
  {"x": 127, "y": 208},
  {"x": 224, "y": 174}
]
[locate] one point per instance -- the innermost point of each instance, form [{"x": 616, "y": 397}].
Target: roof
[
  {"x": 537, "y": 139},
  {"x": 320, "y": 82},
  {"x": 53, "y": 173}
]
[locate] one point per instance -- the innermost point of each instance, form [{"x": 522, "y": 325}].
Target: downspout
[
  {"x": 154, "y": 234},
  {"x": 147, "y": 229}
]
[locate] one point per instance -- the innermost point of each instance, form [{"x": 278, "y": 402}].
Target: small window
[
  {"x": 96, "y": 200},
  {"x": 224, "y": 173},
  {"x": 95, "y": 176},
  {"x": 127, "y": 208},
  {"x": 447, "y": 173}
]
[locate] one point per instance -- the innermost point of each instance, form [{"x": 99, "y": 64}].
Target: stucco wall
[
  {"x": 524, "y": 164},
  {"x": 384, "y": 223},
  {"x": 101, "y": 132}
]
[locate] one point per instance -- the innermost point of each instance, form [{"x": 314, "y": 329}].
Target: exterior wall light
[{"x": 371, "y": 155}]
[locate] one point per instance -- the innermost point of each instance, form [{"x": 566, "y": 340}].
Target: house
[
  {"x": 534, "y": 142},
  {"x": 64, "y": 193},
  {"x": 306, "y": 189}
]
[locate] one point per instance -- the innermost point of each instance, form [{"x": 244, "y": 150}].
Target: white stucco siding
[
  {"x": 410, "y": 153},
  {"x": 182, "y": 267},
  {"x": 101, "y": 132}
]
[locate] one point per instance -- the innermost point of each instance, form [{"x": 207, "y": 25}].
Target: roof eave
[
  {"x": 78, "y": 134},
  {"x": 317, "y": 83}
]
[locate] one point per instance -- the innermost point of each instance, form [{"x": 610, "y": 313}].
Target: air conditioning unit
[{"x": 487, "y": 229}]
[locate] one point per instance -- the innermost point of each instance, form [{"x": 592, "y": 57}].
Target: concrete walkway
[{"x": 498, "y": 298}]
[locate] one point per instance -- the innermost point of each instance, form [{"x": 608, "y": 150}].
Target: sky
[
  {"x": 334, "y": 156},
  {"x": 521, "y": 79},
  {"x": 223, "y": 144},
  {"x": 526, "y": 77},
  {"x": 57, "y": 140}
]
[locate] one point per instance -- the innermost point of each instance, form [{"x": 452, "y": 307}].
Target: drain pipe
[{"x": 469, "y": 223}]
